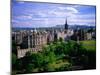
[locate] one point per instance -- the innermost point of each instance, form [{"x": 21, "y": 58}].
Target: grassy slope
[{"x": 89, "y": 44}]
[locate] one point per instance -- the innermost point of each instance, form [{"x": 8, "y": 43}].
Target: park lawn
[
  {"x": 59, "y": 63},
  {"x": 89, "y": 44}
]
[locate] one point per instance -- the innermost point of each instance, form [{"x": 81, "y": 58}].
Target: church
[{"x": 66, "y": 33}]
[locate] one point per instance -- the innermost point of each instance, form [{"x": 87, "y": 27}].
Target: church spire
[{"x": 66, "y": 25}]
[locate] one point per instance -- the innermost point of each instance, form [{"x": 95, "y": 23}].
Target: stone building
[{"x": 29, "y": 41}]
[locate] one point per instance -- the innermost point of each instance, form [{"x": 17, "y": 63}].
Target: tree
[
  {"x": 14, "y": 47},
  {"x": 60, "y": 39},
  {"x": 29, "y": 67},
  {"x": 81, "y": 34},
  {"x": 91, "y": 59},
  {"x": 14, "y": 58},
  {"x": 52, "y": 57},
  {"x": 30, "y": 61},
  {"x": 59, "y": 49}
]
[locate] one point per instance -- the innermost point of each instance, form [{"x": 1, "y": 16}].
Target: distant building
[{"x": 88, "y": 36}]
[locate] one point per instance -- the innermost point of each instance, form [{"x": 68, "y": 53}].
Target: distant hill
[
  {"x": 57, "y": 27},
  {"x": 75, "y": 26}
]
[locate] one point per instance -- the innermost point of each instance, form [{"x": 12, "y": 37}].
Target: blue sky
[{"x": 32, "y": 14}]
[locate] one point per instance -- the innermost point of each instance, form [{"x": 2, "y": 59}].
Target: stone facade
[{"x": 29, "y": 41}]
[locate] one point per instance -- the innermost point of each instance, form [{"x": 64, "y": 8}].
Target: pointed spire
[
  {"x": 66, "y": 25},
  {"x": 66, "y": 20}
]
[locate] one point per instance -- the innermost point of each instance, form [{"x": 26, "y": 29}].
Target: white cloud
[
  {"x": 23, "y": 17},
  {"x": 81, "y": 21},
  {"x": 53, "y": 16},
  {"x": 30, "y": 14},
  {"x": 60, "y": 14},
  {"x": 23, "y": 24},
  {"x": 62, "y": 8},
  {"x": 14, "y": 21},
  {"x": 53, "y": 12},
  {"x": 86, "y": 16},
  {"x": 69, "y": 9},
  {"x": 72, "y": 10},
  {"x": 41, "y": 14}
]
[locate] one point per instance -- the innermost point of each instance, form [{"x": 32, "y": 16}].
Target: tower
[{"x": 66, "y": 25}]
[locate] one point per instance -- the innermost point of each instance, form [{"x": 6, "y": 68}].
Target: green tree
[
  {"x": 52, "y": 57},
  {"x": 60, "y": 39},
  {"x": 14, "y": 47},
  {"x": 14, "y": 58},
  {"x": 29, "y": 67},
  {"x": 59, "y": 49}
]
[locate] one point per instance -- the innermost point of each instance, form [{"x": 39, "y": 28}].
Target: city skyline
[{"x": 36, "y": 14}]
